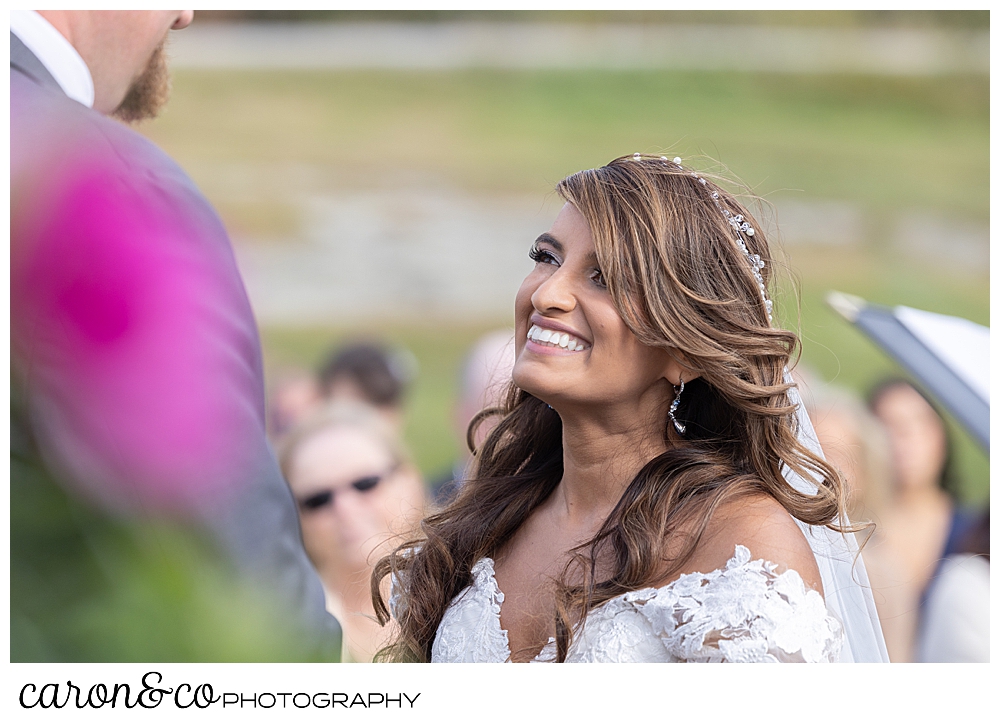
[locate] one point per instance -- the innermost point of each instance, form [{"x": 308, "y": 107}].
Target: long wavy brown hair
[{"x": 680, "y": 280}]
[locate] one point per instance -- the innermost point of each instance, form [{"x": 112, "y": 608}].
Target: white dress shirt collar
[{"x": 54, "y": 52}]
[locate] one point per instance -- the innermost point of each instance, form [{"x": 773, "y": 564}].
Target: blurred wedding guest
[
  {"x": 923, "y": 507},
  {"x": 369, "y": 372},
  {"x": 485, "y": 374},
  {"x": 854, "y": 442},
  {"x": 294, "y": 393},
  {"x": 956, "y": 622},
  {"x": 357, "y": 489},
  {"x": 137, "y": 384},
  {"x": 922, "y": 522}
]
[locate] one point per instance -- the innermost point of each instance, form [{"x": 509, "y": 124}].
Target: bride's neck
[{"x": 600, "y": 459}]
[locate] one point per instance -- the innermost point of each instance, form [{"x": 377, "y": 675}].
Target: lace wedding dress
[{"x": 743, "y": 613}]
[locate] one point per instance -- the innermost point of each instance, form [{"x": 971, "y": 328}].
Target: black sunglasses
[{"x": 319, "y": 500}]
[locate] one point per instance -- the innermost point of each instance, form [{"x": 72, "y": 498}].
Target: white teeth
[{"x": 554, "y": 338}]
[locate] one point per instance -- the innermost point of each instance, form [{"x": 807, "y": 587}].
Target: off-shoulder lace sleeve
[{"x": 745, "y": 612}]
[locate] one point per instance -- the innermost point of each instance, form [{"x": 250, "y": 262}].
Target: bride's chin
[{"x": 531, "y": 384}]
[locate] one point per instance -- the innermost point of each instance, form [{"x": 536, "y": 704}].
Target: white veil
[{"x": 845, "y": 581}]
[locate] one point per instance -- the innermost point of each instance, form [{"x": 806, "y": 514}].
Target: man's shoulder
[{"x": 46, "y": 124}]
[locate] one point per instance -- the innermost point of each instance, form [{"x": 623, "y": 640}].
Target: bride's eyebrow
[
  {"x": 558, "y": 247},
  {"x": 550, "y": 240}
]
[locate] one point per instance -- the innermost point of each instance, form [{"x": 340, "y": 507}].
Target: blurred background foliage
[
  {"x": 908, "y": 157},
  {"x": 89, "y": 587}
]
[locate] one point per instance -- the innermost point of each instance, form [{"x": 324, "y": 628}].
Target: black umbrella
[{"x": 950, "y": 356}]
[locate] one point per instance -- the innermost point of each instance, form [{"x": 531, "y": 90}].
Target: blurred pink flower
[{"x": 116, "y": 294}]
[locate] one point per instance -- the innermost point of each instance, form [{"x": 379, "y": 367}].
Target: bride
[{"x": 650, "y": 493}]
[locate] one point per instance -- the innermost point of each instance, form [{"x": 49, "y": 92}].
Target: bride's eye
[
  {"x": 598, "y": 278},
  {"x": 541, "y": 256}
]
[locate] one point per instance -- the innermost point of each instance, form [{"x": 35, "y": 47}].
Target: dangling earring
[{"x": 673, "y": 408}]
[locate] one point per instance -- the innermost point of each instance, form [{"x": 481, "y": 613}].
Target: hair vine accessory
[
  {"x": 741, "y": 227},
  {"x": 756, "y": 263},
  {"x": 673, "y": 408}
]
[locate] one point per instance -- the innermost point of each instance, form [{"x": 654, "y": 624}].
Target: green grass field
[
  {"x": 887, "y": 146},
  {"x": 885, "y": 143}
]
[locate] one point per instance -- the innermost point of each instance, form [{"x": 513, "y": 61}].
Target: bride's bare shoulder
[{"x": 761, "y": 524}]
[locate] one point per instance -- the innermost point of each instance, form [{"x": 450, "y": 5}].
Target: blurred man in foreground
[{"x": 149, "y": 519}]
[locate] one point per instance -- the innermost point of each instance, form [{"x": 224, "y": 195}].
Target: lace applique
[
  {"x": 470, "y": 630},
  {"x": 745, "y": 612}
]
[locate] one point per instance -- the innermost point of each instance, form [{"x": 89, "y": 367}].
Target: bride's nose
[{"x": 555, "y": 293}]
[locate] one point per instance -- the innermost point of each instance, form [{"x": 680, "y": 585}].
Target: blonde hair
[{"x": 354, "y": 415}]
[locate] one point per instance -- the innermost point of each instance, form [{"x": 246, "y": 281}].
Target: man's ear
[{"x": 678, "y": 367}]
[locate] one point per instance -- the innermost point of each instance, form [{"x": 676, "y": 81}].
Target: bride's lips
[{"x": 545, "y": 336}]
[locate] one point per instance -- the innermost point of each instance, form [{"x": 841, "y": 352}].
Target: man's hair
[{"x": 378, "y": 374}]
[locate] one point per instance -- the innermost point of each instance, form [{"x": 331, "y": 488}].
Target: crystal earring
[{"x": 673, "y": 408}]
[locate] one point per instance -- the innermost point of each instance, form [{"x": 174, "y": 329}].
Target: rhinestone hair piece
[
  {"x": 756, "y": 262},
  {"x": 742, "y": 228}
]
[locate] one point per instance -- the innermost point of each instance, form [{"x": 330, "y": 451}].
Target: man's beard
[{"x": 149, "y": 92}]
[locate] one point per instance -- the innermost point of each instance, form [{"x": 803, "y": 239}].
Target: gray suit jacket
[
  {"x": 253, "y": 520},
  {"x": 24, "y": 60}
]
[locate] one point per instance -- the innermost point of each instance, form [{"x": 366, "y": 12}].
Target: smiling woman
[
  {"x": 356, "y": 487},
  {"x": 645, "y": 495}
]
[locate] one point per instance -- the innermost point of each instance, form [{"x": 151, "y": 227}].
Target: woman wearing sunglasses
[{"x": 356, "y": 488}]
